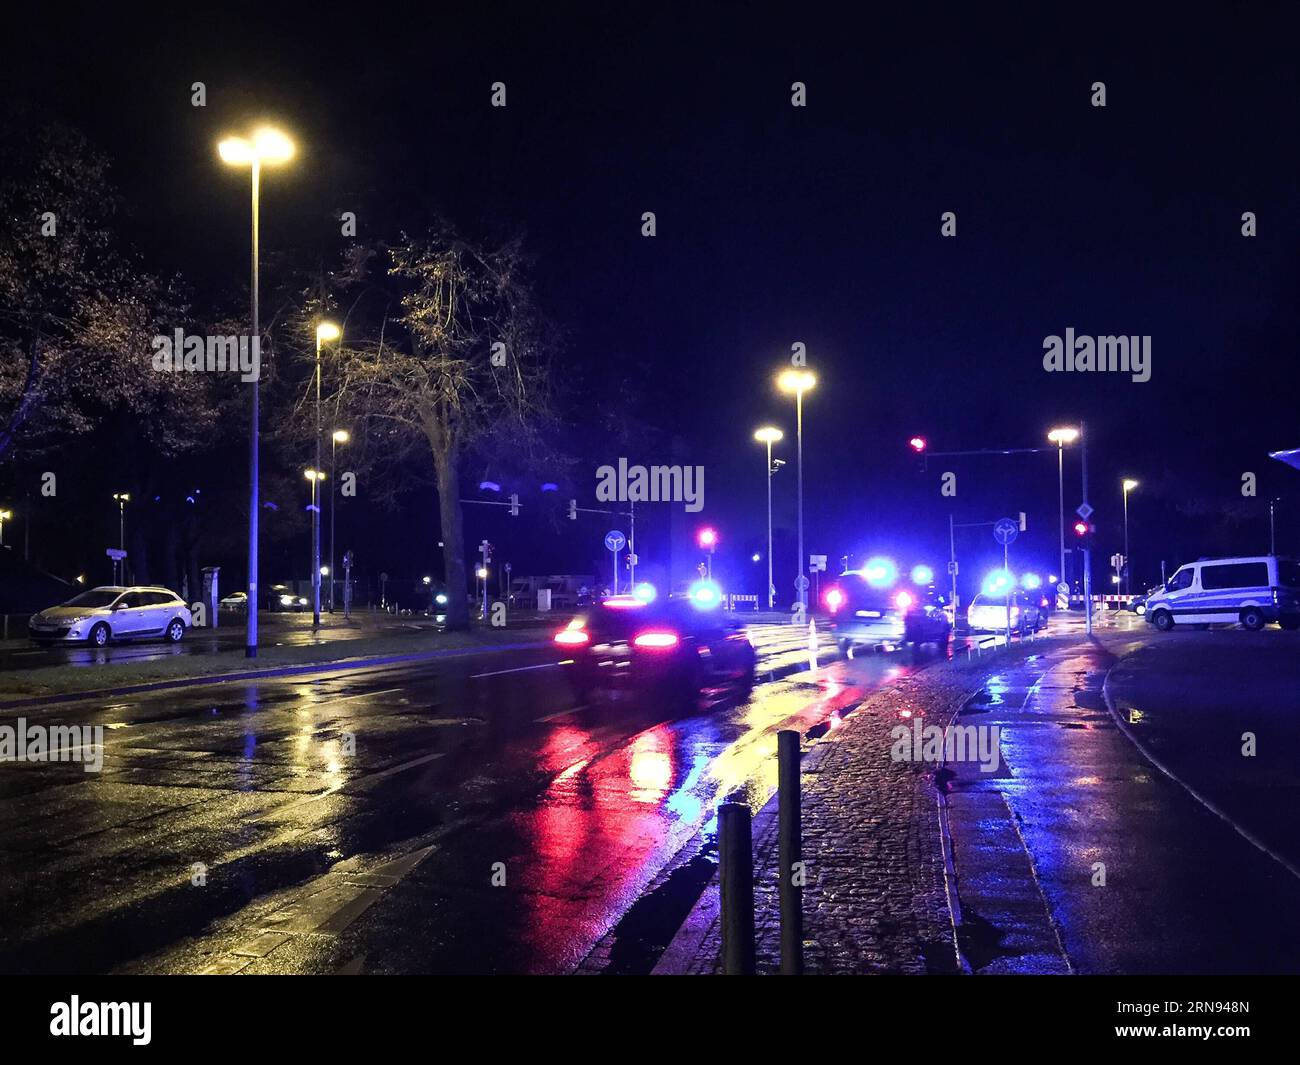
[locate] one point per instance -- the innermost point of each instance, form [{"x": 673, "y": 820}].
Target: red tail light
[
  {"x": 572, "y": 637},
  {"x": 655, "y": 640},
  {"x": 834, "y": 599}
]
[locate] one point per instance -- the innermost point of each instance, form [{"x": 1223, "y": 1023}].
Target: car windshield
[{"x": 96, "y": 597}]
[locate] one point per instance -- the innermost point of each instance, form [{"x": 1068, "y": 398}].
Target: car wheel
[
  {"x": 1253, "y": 619},
  {"x": 176, "y": 631},
  {"x": 1163, "y": 620},
  {"x": 99, "y": 635},
  {"x": 1290, "y": 622}
]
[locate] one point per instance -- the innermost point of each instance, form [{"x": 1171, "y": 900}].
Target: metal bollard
[
  {"x": 789, "y": 852},
  {"x": 736, "y": 876}
]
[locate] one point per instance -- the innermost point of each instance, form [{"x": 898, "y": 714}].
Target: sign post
[
  {"x": 1004, "y": 532},
  {"x": 614, "y": 541}
]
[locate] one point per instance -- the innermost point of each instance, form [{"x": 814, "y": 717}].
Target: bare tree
[{"x": 460, "y": 360}]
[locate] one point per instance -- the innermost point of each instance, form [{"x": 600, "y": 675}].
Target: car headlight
[
  {"x": 286, "y": 600},
  {"x": 302, "y": 601}
]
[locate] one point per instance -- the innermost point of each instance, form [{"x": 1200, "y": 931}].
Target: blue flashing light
[
  {"x": 488, "y": 486},
  {"x": 999, "y": 582},
  {"x": 645, "y": 591},
  {"x": 550, "y": 486},
  {"x": 705, "y": 595},
  {"x": 922, "y": 575},
  {"x": 880, "y": 572},
  {"x": 1031, "y": 580}
]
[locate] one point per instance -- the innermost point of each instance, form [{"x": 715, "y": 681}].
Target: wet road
[{"x": 463, "y": 816}]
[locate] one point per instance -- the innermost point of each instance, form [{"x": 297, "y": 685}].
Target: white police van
[{"x": 1253, "y": 590}]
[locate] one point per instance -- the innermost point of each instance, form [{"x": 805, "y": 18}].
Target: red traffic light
[
  {"x": 917, "y": 443},
  {"x": 1081, "y": 528},
  {"x": 707, "y": 537}
]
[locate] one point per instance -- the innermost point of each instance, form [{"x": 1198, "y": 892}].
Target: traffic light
[
  {"x": 514, "y": 504},
  {"x": 917, "y": 444},
  {"x": 1083, "y": 532},
  {"x": 573, "y": 510},
  {"x": 707, "y": 538}
]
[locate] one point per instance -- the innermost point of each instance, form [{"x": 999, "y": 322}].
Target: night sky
[{"x": 779, "y": 224}]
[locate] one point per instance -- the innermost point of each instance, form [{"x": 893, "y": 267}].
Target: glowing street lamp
[
  {"x": 769, "y": 435},
  {"x": 1060, "y": 437},
  {"x": 799, "y": 382},
  {"x": 264, "y": 146},
  {"x": 1128, "y": 485},
  {"x": 5, "y": 515}
]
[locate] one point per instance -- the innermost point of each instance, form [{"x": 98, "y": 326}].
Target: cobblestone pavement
[{"x": 877, "y": 897}]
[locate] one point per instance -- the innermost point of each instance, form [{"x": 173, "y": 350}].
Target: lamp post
[
  {"x": 769, "y": 435},
  {"x": 5, "y": 515},
  {"x": 315, "y": 476},
  {"x": 1128, "y": 486},
  {"x": 1061, "y": 437},
  {"x": 324, "y": 331},
  {"x": 799, "y": 382},
  {"x": 339, "y": 436},
  {"x": 264, "y": 146},
  {"x": 123, "y": 498}
]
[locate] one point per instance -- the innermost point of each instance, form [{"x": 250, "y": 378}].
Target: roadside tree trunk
[{"x": 453, "y": 543}]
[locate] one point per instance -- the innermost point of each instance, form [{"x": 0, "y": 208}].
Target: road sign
[
  {"x": 614, "y": 540},
  {"x": 817, "y": 563},
  {"x": 383, "y": 576},
  {"x": 1005, "y": 531},
  {"x": 115, "y": 554},
  {"x": 1084, "y": 511},
  {"x": 952, "y": 567},
  {"x": 802, "y": 583}
]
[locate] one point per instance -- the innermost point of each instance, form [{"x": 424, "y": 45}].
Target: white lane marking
[
  {"x": 358, "y": 780},
  {"x": 325, "y": 698},
  {"x": 517, "y": 669},
  {"x": 1244, "y": 833},
  {"x": 561, "y": 713}
]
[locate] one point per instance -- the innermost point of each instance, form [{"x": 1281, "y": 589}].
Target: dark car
[
  {"x": 868, "y": 616},
  {"x": 671, "y": 648}
]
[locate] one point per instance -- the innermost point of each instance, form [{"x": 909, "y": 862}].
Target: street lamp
[
  {"x": 1061, "y": 437},
  {"x": 324, "y": 331},
  {"x": 123, "y": 498},
  {"x": 339, "y": 436},
  {"x": 769, "y": 435},
  {"x": 315, "y": 476},
  {"x": 1128, "y": 485},
  {"x": 5, "y": 515},
  {"x": 269, "y": 146},
  {"x": 799, "y": 382}
]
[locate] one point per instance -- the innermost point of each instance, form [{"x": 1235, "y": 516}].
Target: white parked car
[
  {"x": 1253, "y": 590},
  {"x": 101, "y": 615},
  {"x": 988, "y": 613}
]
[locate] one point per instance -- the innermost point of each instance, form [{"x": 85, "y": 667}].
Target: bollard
[
  {"x": 789, "y": 852},
  {"x": 736, "y": 876}
]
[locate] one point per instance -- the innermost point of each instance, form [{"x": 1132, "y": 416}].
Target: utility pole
[{"x": 1087, "y": 549}]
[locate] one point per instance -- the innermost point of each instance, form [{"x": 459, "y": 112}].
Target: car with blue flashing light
[
  {"x": 1252, "y": 590},
  {"x": 672, "y": 648},
  {"x": 1016, "y": 610},
  {"x": 110, "y": 613},
  {"x": 872, "y": 608}
]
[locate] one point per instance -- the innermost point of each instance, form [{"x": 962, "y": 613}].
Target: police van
[{"x": 1254, "y": 591}]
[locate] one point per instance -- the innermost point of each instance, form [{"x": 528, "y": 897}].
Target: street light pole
[
  {"x": 1087, "y": 551},
  {"x": 265, "y": 145},
  {"x": 769, "y": 435},
  {"x": 339, "y": 436},
  {"x": 1128, "y": 486},
  {"x": 798, "y": 382},
  {"x": 324, "y": 331}
]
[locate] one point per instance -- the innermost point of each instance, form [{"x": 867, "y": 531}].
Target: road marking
[
  {"x": 355, "y": 780},
  {"x": 517, "y": 669},
  {"x": 558, "y": 714},
  {"x": 357, "y": 695},
  {"x": 1245, "y": 834}
]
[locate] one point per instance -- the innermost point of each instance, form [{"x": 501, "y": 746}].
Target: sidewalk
[{"x": 880, "y": 896}]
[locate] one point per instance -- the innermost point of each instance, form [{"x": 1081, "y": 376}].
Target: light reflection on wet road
[{"x": 484, "y": 760}]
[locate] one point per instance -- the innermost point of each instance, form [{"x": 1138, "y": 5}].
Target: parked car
[
  {"x": 102, "y": 615},
  {"x": 988, "y": 613},
  {"x": 1252, "y": 590},
  {"x": 234, "y": 601}
]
